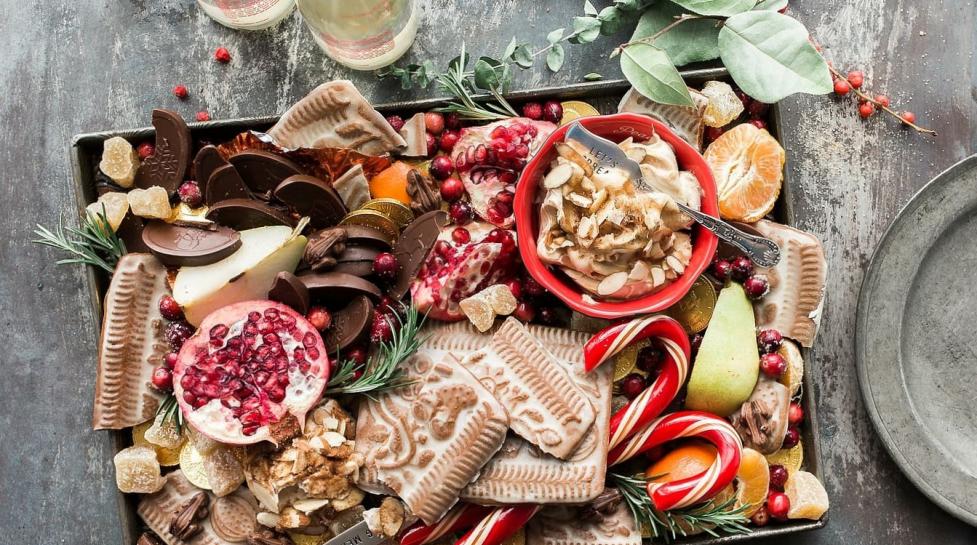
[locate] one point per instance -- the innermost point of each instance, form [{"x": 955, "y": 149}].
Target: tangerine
[
  {"x": 681, "y": 462},
  {"x": 748, "y": 165},
  {"x": 391, "y": 183},
  {"x": 752, "y": 481}
]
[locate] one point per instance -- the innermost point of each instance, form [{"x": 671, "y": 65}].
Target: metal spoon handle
[{"x": 762, "y": 251}]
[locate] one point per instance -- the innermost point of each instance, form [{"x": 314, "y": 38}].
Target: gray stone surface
[{"x": 71, "y": 66}]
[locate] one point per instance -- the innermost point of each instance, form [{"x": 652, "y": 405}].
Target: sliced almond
[
  {"x": 640, "y": 271},
  {"x": 657, "y": 276},
  {"x": 574, "y": 156},
  {"x": 580, "y": 200},
  {"x": 611, "y": 284},
  {"x": 675, "y": 264},
  {"x": 558, "y": 176}
]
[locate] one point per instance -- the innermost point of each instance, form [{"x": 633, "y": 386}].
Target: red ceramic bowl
[{"x": 615, "y": 127}]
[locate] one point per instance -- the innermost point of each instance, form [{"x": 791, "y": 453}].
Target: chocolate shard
[
  {"x": 130, "y": 231},
  {"x": 349, "y": 324},
  {"x": 324, "y": 248},
  {"x": 167, "y": 166},
  {"x": 353, "y": 187},
  {"x": 176, "y": 246},
  {"x": 241, "y": 214},
  {"x": 364, "y": 235},
  {"x": 262, "y": 171},
  {"x": 225, "y": 183},
  {"x": 339, "y": 288},
  {"x": 310, "y": 196},
  {"x": 207, "y": 160},
  {"x": 413, "y": 247},
  {"x": 415, "y": 135},
  {"x": 289, "y": 290}
]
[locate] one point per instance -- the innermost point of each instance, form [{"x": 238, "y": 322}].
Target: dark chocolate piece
[
  {"x": 207, "y": 160},
  {"x": 262, "y": 171},
  {"x": 349, "y": 324},
  {"x": 413, "y": 247},
  {"x": 177, "y": 246},
  {"x": 358, "y": 253},
  {"x": 324, "y": 248},
  {"x": 364, "y": 235},
  {"x": 244, "y": 214},
  {"x": 312, "y": 197},
  {"x": 130, "y": 231},
  {"x": 355, "y": 268},
  {"x": 335, "y": 288},
  {"x": 167, "y": 166},
  {"x": 225, "y": 183},
  {"x": 423, "y": 193},
  {"x": 289, "y": 290}
]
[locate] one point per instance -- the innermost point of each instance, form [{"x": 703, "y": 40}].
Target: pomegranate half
[{"x": 247, "y": 368}]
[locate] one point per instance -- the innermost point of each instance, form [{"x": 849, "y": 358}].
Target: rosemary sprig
[
  {"x": 461, "y": 83},
  {"x": 383, "y": 370},
  {"x": 712, "y": 518},
  {"x": 170, "y": 410},
  {"x": 94, "y": 243}
]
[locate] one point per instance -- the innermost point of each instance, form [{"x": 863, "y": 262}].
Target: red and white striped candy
[
  {"x": 459, "y": 518},
  {"x": 502, "y": 524}
]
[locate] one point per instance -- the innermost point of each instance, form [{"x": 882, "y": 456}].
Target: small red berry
[
  {"x": 758, "y": 123},
  {"x": 773, "y": 365},
  {"x": 552, "y": 111},
  {"x": 357, "y": 374},
  {"x": 452, "y": 121},
  {"x": 842, "y": 87},
  {"x": 319, "y": 317},
  {"x": 761, "y": 518},
  {"x": 795, "y": 414},
  {"x": 532, "y": 110},
  {"x": 756, "y": 286},
  {"x": 432, "y": 143},
  {"x": 632, "y": 385},
  {"x": 778, "y": 477},
  {"x": 170, "y": 309},
  {"x": 713, "y": 133},
  {"x": 203, "y": 116},
  {"x": 792, "y": 438},
  {"x": 461, "y": 235},
  {"x": 434, "y": 122},
  {"x": 382, "y": 329},
  {"x": 757, "y": 109},
  {"x": 531, "y": 287},
  {"x": 908, "y": 116},
  {"x": 222, "y": 55},
  {"x": 461, "y": 213},
  {"x": 452, "y": 189},
  {"x": 170, "y": 360},
  {"x": 769, "y": 340},
  {"x": 448, "y": 140},
  {"x": 180, "y": 91},
  {"x": 145, "y": 150},
  {"x": 525, "y": 312},
  {"x": 883, "y": 100},
  {"x": 742, "y": 268},
  {"x": 396, "y": 122},
  {"x": 162, "y": 379},
  {"x": 778, "y": 504},
  {"x": 866, "y": 110},
  {"x": 515, "y": 287},
  {"x": 441, "y": 167},
  {"x": 856, "y": 78},
  {"x": 385, "y": 266},
  {"x": 650, "y": 358},
  {"x": 721, "y": 269},
  {"x": 356, "y": 355},
  {"x": 190, "y": 194}
]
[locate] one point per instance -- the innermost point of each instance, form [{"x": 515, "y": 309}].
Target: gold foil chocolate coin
[
  {"x": 626, "y": 362},
  {"x": 575, "y": 109},
  {"x": 306, "y": 539},
  {"x": 790, "y": 458},
  {"x": 392, "y": 208},
  {"x": 375, "y": 219},
  {"x": 695, "y": 309},
  {"x": 168, "y": 457},
  {"x": 192, "y": 465}
]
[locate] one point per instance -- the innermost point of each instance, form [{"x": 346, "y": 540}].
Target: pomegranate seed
[
  {"x": 452, "y": 121},
  {"x": 533, "y": 110},
  {"x": 778, "y": 504},
  {"x": 385, "y": 266},
  {"x": 842, "y": 87},
  {"x": 721, "y": 269},
  {"x": 222, "y": 55},
  {"x": 219, "y": 331},
  {"x": 181, "y": 92},
  {"x": 632, "y": 385},
  {"x": 792, "y": 438},
  {"x": 769, "y": 340},
  {"x": 525, "y": 312},
  {"x": 441, "y": 167},
  {"x": 145, "y": 150},
  {"x": 162, "y": 379},
  {"x": 773, "y": 365},
  {"x": 778, "y": 477},
  {"x": 742, "y": 268},
  {"x": 169, "y": 308},
  {"x": 190, "y": 194},
  {"x": 795, "y": 414},
  {"x": 756, "y": 286},
  {"x": 552, "y": 111},
  {"x": 319, "y": 317},
  {"x": 396, "y": 122},
  {"x": 461, "y": 213},
  {"x": 461, "y": 235},
  {"x": 856, "y": 78},
  {"x": 448, "y": 140},
  {"x": 203, "y": 116}
]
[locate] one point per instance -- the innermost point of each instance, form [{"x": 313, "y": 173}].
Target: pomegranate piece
[
  {"x": 458, "y": 269},
  {"x": 250, "y": 366},
  {"x": 489, "y": 160}
]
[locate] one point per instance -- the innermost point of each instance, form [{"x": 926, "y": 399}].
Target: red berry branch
[{"x": 867, "y": 105}]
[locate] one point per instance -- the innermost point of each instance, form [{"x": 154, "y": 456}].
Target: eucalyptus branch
[{"x": 651, "y": 39}]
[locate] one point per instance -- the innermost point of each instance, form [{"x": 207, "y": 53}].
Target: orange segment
[
  {"x": 748, "y": 165},
  {"x": 391, "y": 183},
  {"x": 752, "y": 481},
  {"x": 684, "y": 461}
]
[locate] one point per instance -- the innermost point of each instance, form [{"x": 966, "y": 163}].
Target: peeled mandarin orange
[
  {"x": 794, "y": 374},
  {"x": 391, "y": 183},
  {"x": 748, "y": 165},
  {"x": 808, "y": 499},
  {"x": 682, "y": 462},
  {"x": 752, "y": 481}
]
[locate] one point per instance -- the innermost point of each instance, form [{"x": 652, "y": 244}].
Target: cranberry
[
  {"x": 452, "y": 189},
  {"x": 769, "y": 340},
  {"x": 396, "y": 122},
  {"x": 170, "y": 360},
  {"x": 908, "y": 116},
  {"x": 778, "y": 477},
  {"x": 856, "y": 78},
  {"x": 162, "y": 379},
  {"x": 632, "y": 385},
  {"x": 145, "y": 150},
  {"x": 532, "y": 110},
  {"x": 180, "y": 91},
  {"x": 757, "y": 109},
  {"x": 744, "y": 98},
  {"x": 742, "y": 268},
  {"x": 222, "y": 55},
  {"x": 432, "y": 143},
  {"x": 515, "y": 286},
  {"x": 548, "y": 316},
  {"x": 721, "y": 269},
  {"x": 531, "y": 287},
  {"x": 795, "y": 414},
  {"x": 713, "y": 133},
  {"x": 778, "y": 504},
  {"x": 883, "y": 100},
  {"x": 695, "y": 341},
  {"x": 441, "y": 167},
  {"x": 461, "y": 213},
  {"x": 758, "y": 123},
  {"x": 761, "y": 518},
  {"x": 170, "y": 309},
  {"x": 461, "y": 235},
  {"x": 448, "y": 140},
  {"x": 357, "y": 374},
  {"x": 385, "y": 266},
  {"x": 525, "y": 312},
  {"x": 792, "y": 437},
  {"x": 382, "y": 329},
  {"x": 773, "y": 365},
  {"x": 190, "y": 194},
  {"x": 649, "y": 358},
  {"x": 203, "y": 116},
  {"x": 177, "y": 333},
  {"x": 356, "y": 355},
  {"x": 319, "y": 317},
  {"x": 866, "y": 110},
  {"x": 552, "y": 111},
  {"x": 756, "y": 286},
  {"x": 842, "y": 87},
  {"x": 452, "y": 121},
  {"x": 434, "y": 122}
]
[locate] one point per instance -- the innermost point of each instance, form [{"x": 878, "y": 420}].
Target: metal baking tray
[{"x": 86, "y": 150}]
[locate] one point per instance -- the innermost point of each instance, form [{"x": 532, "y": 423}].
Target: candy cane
[
  {"x": 502, "y": 524},
  {"x": 697, "y": 488},
  {"x": 461, "y": 517},
  {"x": 653, "y": 400}
]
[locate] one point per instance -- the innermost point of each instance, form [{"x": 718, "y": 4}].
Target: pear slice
[
  {"x": 245, "y": 275},
  {"x": 728, "y": 363}
]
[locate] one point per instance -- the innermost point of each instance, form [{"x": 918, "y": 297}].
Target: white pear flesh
[{"x": 245, "y": 275}]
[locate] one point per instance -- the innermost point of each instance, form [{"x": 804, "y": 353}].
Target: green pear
[
  {"x": 245, "y": 275},
  {"x": 728, "y": 364}
]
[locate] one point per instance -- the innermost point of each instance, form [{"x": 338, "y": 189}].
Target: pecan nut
[
  {"x": 423, "y": 193},
  {"x": 604, "y": 504},
  {"x": 187, "y": 521},
  {"x": 324, "y": 247}
]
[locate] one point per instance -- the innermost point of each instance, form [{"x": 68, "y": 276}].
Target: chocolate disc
[
  {"x": 336, "y": 288},
  {"x": 413, "y": 246},
  {"x": 167, "y": 166},
  {"x": 225, "y": 183},
  {"x": 289, "y": 290},
  {"x": 207, "y": 160},
  {"x": 358, "y": 253},
  {"x": 349, "y": 324},
  {"x": 177, "y": 246},
  {"x": 130, "y": 231},
  {"x": 312, "y": 197},
  {"x": 262, "y": 171},
  {"x": 244, "y": 214},
  {"x": 365, "y": 235},
  {"x": 355, "y": 268}
]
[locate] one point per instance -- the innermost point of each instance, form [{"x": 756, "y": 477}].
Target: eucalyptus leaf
[
  {"x": 723, "y": 8},
  {"x": 611, "y": 20},
  {"x": 555, "y": 36},
  {"x": 593, "y": 76},
  {"x": 523, "y": 56},
  {"x": 652, "y": 74},
  {"x": 774, "y": 5},
  {"x": 554, "y": 59},
  {"x": 694, "y": 40},
  {"x": 509, "y": 49},
  {"x": 589, "y": 8},
  {"x": 459, "y": 62},
  {"x": 486, "y": 76},
  {"x": 585, "y": 30},
  {"x": 769, "y": 56}
]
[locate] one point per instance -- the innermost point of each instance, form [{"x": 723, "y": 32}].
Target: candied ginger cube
[
  {"x": 808, "y": 499},
  {"x": 500, "y": 298},
  {"x": 150, "y": 203},
  {"x": 224, "y": 471},
  {"x": 479, "y": 312},
  {"x": 114, "y": 204},
  {"x": 164, "y": 432},
  {"x": 137, "y": 470},
  {"x": 723, "y": 107},
  {"x": 119, "y": 161}
]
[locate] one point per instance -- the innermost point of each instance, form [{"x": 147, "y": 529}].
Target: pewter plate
[{"x": 915, "y": 342}]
